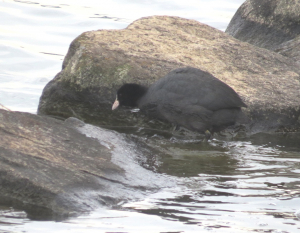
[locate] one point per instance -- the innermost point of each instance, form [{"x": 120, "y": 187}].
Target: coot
[{"x": 187, "y": 97}]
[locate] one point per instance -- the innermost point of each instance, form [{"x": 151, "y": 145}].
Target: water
[{"x": 241, "y": 185}]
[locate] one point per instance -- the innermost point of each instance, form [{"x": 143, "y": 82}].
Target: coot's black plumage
[{"x": 187, "y": 97}]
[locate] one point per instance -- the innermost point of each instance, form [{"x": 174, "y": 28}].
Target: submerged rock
[
  {"x": 54, "y": 169},
  {"x": 266, "y": 23},
  {"x": 99, "y": 62}
]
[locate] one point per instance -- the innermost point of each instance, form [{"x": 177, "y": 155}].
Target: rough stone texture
[
  {"x": 266, "y": 23},
  {"x": 45, "y": 165},
  {"x": 98, "y": 62},
  {"x": 290, "y": 49}
]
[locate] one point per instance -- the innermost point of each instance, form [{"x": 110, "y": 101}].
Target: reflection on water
[{"x": 240, "y": 186}]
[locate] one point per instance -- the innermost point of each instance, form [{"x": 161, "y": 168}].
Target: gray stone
[
  {"x": 266, "y": 23},
  {"x": 290, "y": 49},
  {"x": 42, "y": 161}
]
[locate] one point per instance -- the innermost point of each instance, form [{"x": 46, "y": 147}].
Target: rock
[
  {"x": 290, "y": 49},
  {"x": 99, "y": 62},
  {"x": 42, "y": 160},
  {"x": 266, "y": 23},
  {"x": 52, "y": 170}
]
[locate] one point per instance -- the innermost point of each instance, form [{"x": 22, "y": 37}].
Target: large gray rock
[
  {"x": 99, "y": 62},
  {"x": 52, "y": 169},
  {"x": 266, "y": 23}
]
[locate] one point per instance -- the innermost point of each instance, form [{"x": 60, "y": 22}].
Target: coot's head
[{"x": 128, "y": 95}]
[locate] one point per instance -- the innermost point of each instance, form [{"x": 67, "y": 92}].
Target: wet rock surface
[
  {"x": 99, "y": 62},
  {"x": 54, "y": 169}
]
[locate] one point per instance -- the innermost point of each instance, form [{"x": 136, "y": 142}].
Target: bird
[{"x": 187, "y": 97}]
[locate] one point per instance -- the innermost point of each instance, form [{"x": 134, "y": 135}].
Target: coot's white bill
[{"x": 116, "y": 104}]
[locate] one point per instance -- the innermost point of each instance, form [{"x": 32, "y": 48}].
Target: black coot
[{"x": 186, "y": 97}]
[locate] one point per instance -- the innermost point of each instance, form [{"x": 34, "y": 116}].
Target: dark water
[{"x": 227, "y": 185}]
